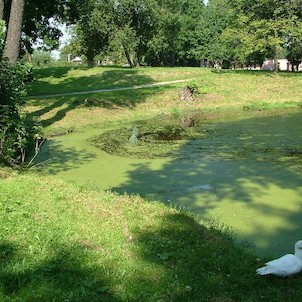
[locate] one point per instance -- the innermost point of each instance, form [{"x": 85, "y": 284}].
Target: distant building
[
  {"x": 77, "y": 60},
  {"x": 283, "y": 64}
]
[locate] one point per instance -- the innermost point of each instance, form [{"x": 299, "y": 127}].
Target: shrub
[
  {"x": 42, "y": 58},
  {"x": 18, "y": 132}
]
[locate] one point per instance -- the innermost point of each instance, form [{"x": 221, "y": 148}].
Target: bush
[
  {"x": 42, "y": 58},
  {"x": 18, "y": 132}
]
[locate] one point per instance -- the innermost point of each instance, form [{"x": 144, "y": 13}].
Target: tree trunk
[
  {"x": 297, "y": 66},
  {"x": 276, "y": 53},
  {"x": 12, "y": 43},
  {"x": 128, "y": 56},
  {"x": 1, "y": 9},
  {"x": 90, "y": 63}
]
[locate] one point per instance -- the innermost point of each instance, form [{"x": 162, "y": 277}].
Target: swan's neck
[{"x": 298, "y": 253}]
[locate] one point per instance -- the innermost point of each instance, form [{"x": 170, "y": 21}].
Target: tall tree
[
  {"x": 92, "y": 28},
  {"x": 40, "y": 21},
  {"x": 166, "y": 43},
  {"x": 1, "y": 9},
  {"x": 134, "y": 25},
  {"x": 294, "y": 51},
  {"x": 190, "y": 34},
  {"x": 214, "y": 19},
  {"x": 12, "y": 44},
  {"x": 263, "y": 26}
]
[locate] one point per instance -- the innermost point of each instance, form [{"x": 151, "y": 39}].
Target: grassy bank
[
  {"x": 65, "y": 243},
  {"x": 218, "y": 91},
  {"x": 62, "y": 242}
]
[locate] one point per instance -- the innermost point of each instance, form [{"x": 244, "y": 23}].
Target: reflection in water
[{"x": 245, "y": 172}]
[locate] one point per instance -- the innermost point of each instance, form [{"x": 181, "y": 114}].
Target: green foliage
[
  {"x": 42, "y": 58},
  {"x": 262, "y": 28},
  {"x": 92, "y": 29},
  {"x": 40, "y": 21},
  {"x": 12, "y": 86},
  {"x": 294, "y": 46},
  {"x": 123, "y": 43},
  {"x": 18, "y": 132},
  {"x": 209, "y": 45},
  {"x": 134, "y": 23}
]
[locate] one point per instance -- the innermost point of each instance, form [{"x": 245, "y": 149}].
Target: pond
[{"x": 245, "y": 172}]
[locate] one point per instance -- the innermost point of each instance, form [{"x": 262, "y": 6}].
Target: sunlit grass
[
  {"x": 74, "y": 79},
  {"x": 59, "y": 242},
  {"x": 248, "y": 90}
]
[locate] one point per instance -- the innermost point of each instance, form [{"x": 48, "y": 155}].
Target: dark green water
[{"x": 244, "y": 172}]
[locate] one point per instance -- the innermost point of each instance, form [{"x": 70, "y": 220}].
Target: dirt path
[{"x": 108, "y": 90}]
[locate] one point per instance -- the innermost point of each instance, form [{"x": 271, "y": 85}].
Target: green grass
[
  {"x": 227, "y": 90},
  {"x": 56, "y": 80},
  {"x": 59, "y": 242}
]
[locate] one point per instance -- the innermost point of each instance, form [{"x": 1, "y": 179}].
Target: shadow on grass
[
  {"x": 109, "y": 100},
  {"x": 178, "y": 260},
  {"x": 106, "y": 78},
  {"x": 58, "y": 107},
  {"x": 203, "y": 265},
  {"x": 65, "y": 276},
  {"x": 55, "y": 72}
]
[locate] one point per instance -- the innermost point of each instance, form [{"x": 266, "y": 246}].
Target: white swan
[{"x": 286, "y": 265}]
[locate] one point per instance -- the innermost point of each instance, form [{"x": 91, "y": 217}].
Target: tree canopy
[{"x": 167, "y": 33}]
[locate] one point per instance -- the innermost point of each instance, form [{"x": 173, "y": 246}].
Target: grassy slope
[
  {"x": 59, "y": 242},
  {"x": 63, "y": 243},
  {"x": 218, "y": 91}
]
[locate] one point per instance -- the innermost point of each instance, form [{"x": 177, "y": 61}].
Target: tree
[
  {"x": 12, "y": 44},
  {"x": 190, "y": 35},
  {"x": 41, "y": 58},
  {"x": 162, "y": 47},
  {"x": 40, "y": 21},
  {"x": 294, "y": 52},
  {"x": 262, "y": 26},
  {"x": 17, "y": 131},
  {"x": 174, "y": 32},
  {"x": 1, "y": 9},
  {"x": 211, "y": 48},
  {"x": 92, "y": 28},
  {"x": 134, "y": 26}
]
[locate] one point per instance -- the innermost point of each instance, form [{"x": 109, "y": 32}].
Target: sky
[{"x": 63, "y": 40}]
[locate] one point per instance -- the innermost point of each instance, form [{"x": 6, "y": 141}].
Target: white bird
[{"x": 286, "y": 265}]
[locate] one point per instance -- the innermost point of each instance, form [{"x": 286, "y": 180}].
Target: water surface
[{"x": 246, "y": 172}]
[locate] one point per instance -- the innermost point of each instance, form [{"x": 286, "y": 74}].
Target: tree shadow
[
  {"x": 106, "y": 79},
  {"x": 181, "y": 261},
  {"x": 109, "y": 100},
  {"x": 202, "y": 264},
  {"x": 55, "y": 72},
  {"x": 59, "y": 106},
  {"x": 62, "y": 277},
  {"x": 61, "y": 158},
  {"x": 239, "y": 162}
]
